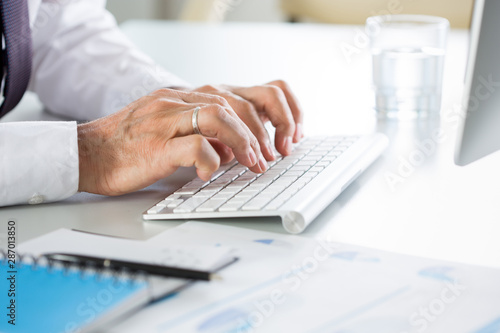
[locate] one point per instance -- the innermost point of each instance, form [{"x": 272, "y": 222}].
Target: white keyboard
[{"x": 235, "y": 191}]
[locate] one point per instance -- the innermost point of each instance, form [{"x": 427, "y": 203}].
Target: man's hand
[
  {"x": 152, "y": 137},
  {"x": 257, "y": 105}
]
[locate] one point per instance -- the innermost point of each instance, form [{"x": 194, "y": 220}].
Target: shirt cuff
[{"x": 38, "y": 162}]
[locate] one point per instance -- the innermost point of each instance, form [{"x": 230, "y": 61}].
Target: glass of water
[{"x": 408, "y": 62}]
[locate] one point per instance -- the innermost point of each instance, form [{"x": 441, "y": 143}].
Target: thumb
[{"x": 192, "y": 150}]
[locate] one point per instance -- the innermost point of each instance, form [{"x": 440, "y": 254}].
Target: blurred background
[
  {"x": 323, "y": 11},
  {"x": 232, "y": 10}
]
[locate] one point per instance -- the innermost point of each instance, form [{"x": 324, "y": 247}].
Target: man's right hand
[{"x": 152, "y": 137}]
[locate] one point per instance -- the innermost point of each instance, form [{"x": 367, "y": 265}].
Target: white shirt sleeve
[
  {"x": 38, "y": 162},
  {"x": 84, "y": 66}
]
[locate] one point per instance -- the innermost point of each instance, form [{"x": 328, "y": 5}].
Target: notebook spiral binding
[{"x": 84, "y": 268}]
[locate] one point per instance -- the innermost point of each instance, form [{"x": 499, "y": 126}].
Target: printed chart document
[{"x": 285, "y": 283}]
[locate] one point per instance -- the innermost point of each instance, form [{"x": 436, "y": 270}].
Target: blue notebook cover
[{"x": 39, "y": 298}]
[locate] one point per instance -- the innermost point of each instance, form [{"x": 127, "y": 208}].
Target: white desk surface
[{"x": 439, "y": 210}]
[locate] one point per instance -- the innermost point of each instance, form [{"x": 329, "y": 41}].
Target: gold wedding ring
[{"x": 194, "y": 120}]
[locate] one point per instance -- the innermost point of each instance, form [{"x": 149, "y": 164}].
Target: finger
[
  {"x": 219, "y": 98},
  {"x": 210, "y": 89},
  {"x": 214, "y": 121},
  {"x": 247, "y": 112},
  {"x": 237, "y": 126},
  {"x": 192, "y": 150},
  {"x": 293, "y": 102},
  {"x": 203, "y": 98},
  {"x": 272, "y": 101},
  {"x": 225, "y": 153}
]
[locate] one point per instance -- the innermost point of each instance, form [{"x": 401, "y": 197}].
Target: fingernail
[
  {"x": 298, "y": 132},
  {"x": 288, "y": 144},
  {"x": 252, "y": 157},
  {"x": 271, "y": 150},
  {"x": 262, "y": 163}
]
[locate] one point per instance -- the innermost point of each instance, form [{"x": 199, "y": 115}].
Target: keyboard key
[
  {"x": 268, "y": 196},
  {"x": 164, "y": 203},
  {"x": 283, "y": 161},
  {"x": 293, "y": 174},
  {"x": 175, "y": 203},
  {"x": 311, "y": 158},
  {"x": 329, "y": 159},
  {"x": 230, "y": 175},
  {"x": 244, "y": 196},
  {"x": 229, "y": 191},
  {"x": 210, "y": 205},
  {"x": 190, "y": 205},
  {"x": 240, "y": 168},
  {"x": 311, "y": 174},
  {"x": 322, "y": 163},
  {"x": 300, "y": 183},
  {"x": 248, "y": 192},
  {"x": 264, "y": 180},
  {"x": 297, "y": 155},
  {"x": 275, "y": 171},
  {"x": 341, "y": 148},
  {"x": 156, "y": 209},
  {"x": 222, "y": 180},
  {"x": 231, "y": 206},
  {"x": 222, "y": 169},
  {"x": 197, "y": 182},
  {"x": 270, "y": 177},
  {"x": 224, "y": 196},
  {"x": 299, "y": 168},
  {"x": 272, "y": 163},
  {"x": 332, "y": 155},
  {"x": 173, "y": 196},
  {"x": 323, "y": 148},
  {"x": 255, "y": 187},
  {"x": 285, "y": 195},
  {"x": 246, "y": 178},
  {"x": 187, "y": 191},
  {"x": 238, "y": 183},
  {"x": 274, "y": 205},
  {"x": 288, "y": 160},
  {"x": 276, "y": 188},
  {"x": 206, "y": 192},
  {"x": 252, "y": 174},
  {"x": 305, "y": 179},
  {"x": 256, "y": 204},
  {"x": 295, "y": 187},
  {"x": 286, "y": 180},
  {"x": 305, "y": 163}
]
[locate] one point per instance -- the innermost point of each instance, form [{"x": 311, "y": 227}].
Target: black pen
[{"x": 152, "y": 269}]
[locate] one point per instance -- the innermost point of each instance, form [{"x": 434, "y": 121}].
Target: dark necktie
[{"x": 16, "y": 56}]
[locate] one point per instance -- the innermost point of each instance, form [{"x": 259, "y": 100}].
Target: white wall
[
  {"x": 256, "y": 10},
  {"x": 129, "y": 9},
  {"x": 240, "y": 10}
]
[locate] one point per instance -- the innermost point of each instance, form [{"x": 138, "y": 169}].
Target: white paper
[
  {"x": 76, "y": 242},
  {"x": 285, "y": 283}
]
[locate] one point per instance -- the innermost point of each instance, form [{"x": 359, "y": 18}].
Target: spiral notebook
[
  {"x": 56, "y": 299},
  {"x": 38, "y": 296}
]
